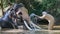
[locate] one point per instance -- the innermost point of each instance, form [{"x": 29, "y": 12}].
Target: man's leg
[{"x": 50, "y": 25}]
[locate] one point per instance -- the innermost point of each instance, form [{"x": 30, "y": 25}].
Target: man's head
[
  {"x": 32, "y": 15},
  {"x": 44, "y": 13}
]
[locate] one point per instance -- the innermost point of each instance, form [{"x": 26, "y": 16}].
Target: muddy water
[{"x": 30, "y": 32}]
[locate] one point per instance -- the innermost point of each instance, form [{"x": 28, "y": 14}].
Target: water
[{"x": 17, "y": 31}]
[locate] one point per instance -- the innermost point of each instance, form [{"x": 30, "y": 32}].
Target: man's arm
[
  {"x": 37, "y": 16},
  {"x": 42, "y": 16}
]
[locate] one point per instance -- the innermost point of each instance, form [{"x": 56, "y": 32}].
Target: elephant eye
[{"x": 20, "y": 13}]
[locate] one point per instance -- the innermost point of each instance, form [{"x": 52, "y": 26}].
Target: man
[{"x": 50, "y": 19}]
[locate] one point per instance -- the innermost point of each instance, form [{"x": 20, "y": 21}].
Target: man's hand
[{"x": 41, "y": 17}]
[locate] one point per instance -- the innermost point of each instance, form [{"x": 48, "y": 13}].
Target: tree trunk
[{"x": 2, "y": 7}]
